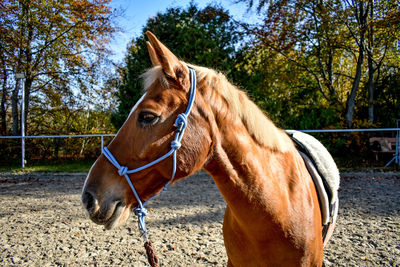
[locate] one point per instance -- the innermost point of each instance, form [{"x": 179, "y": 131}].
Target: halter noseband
[{"x": 181, "y": 123}]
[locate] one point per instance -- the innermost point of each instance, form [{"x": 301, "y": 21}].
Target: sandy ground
[{"x": 43, "y": 224}]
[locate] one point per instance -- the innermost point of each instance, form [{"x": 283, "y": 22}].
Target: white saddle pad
[{"x": 324, "y": 165}]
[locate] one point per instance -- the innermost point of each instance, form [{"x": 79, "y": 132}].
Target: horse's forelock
[{"x": 151, "y": 75}]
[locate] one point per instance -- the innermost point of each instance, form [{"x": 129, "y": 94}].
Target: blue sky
[{"x": 138, "y": 11}]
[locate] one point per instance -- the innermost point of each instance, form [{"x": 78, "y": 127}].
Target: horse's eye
[{"x": 147, "y": 117}]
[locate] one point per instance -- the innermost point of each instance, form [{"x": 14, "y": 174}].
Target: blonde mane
[{"x": 258, "y": 125}]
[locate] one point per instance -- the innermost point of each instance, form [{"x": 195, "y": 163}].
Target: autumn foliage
[{"x": 309, "y": 64}]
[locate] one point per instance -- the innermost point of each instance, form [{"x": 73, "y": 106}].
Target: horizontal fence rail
[
  {"x": 56, "y": 136},
  {"x": 111, "y": 135},
  {"x": 351, "y": 130}
]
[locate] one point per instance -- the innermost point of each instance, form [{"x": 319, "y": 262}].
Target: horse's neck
[
  {"x": 247, "y": 173},
  {"x": 243, "y": 170}
]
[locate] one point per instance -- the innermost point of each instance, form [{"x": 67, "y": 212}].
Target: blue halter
[{"x": 181, "y": 123}]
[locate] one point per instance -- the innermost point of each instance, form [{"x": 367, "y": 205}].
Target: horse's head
[{"x": 145, "y": 136}]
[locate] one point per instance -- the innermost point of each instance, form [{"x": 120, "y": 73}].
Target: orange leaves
[{"x": 60, "y": 45}]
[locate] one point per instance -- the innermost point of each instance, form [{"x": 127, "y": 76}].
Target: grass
[
  {"x": 345, "y": 164},
  {"x": 50, "y": 166}
]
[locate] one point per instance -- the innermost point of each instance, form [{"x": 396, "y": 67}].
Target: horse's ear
[
  {"x": 168, "y": 61},
  {"x": 152, "y": 53}
]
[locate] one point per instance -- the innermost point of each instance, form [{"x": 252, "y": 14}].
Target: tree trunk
[
  {"x": 371, "y": 69},
  {"x": 19, "y": 67},
  {"x": 14, "y": 109},
  {"x": 361, "y": 14},
  {"x": 332, "y": 90},
  {"x": 28, "y": 64},
  {"x": 350, "y": 104},
  {"x": 27, "y": 88},
  {"x": 371, "y": 89},
  {"x": 3, "y": 110}
]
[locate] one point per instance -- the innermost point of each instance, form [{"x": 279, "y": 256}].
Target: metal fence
[{"x": 23, "y": 138}]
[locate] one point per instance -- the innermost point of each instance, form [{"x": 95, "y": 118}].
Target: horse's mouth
[
  {"x": 118, "y": 215},
  {"x": 114, "y": 220}
]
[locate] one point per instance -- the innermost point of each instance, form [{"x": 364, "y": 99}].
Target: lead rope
[
  {"x": 151, "y": 255},
  {"x": 140, "y": 211}
]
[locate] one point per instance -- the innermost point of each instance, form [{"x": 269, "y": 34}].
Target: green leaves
[
  {"x": 317, "y": 55},
  {"x": 205, "y": 37}
]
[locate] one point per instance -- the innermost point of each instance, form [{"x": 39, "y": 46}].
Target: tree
[
  {"x": 205, "y": 37},
  {"x": 297, "y": 51},
  {"x": 57, "y": 44},
  {"x": 302, "y": 31},
  {"x": 331, "y": 41},
  {"x": 383, "y": 33},
  {"x": 359, "y": 10}
]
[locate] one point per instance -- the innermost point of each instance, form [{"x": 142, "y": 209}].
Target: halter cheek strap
[{"x": 181, "y": 123}]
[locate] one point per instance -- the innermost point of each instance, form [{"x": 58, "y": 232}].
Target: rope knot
[
  {"x": 122, "y": 170},
  {"x": 141, "y": 212},
  {"x": 176, "y": 144},
  {"x": 181, "y": 121}
]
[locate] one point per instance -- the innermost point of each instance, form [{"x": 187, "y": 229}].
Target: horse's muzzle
[{"x": 106, "y": 212}]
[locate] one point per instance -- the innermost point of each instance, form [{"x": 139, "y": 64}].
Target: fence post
[
  {"x": 21, "y": 76},
  {"x": 102, "y": 143},
  {"x": 397, "y": 148}
]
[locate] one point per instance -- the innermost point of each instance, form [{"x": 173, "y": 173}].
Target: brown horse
[{"x": 272, "y": 216}]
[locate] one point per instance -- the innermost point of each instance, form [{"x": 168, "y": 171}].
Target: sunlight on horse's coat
[{"x": 272, "y": 216}]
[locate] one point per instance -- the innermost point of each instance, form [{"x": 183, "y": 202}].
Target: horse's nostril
[{"x": 88, "y": 201}]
